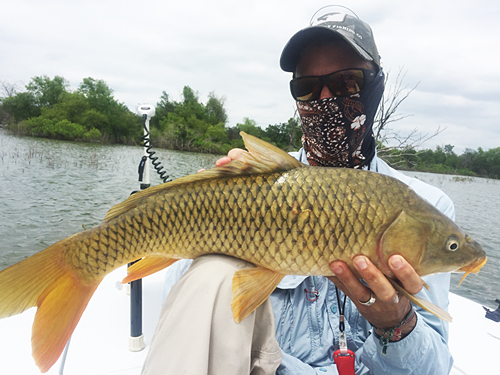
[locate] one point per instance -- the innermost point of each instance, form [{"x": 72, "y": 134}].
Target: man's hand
[{"x": 389, "y": 308}]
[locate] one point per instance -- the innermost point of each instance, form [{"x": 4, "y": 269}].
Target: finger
[
  {"x": 338, "y": 283},
  {"x": 349, "y": 283},
  {"x": 235, "y": 153},
  {"x": 375, "y": 279},
  {"x": 201, "y": 170},
  {"x": 222, "y": 161},
  {"x": 405, "y": 273}
]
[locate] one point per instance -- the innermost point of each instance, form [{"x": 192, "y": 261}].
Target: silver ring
[{"x": 370, "y": 302}]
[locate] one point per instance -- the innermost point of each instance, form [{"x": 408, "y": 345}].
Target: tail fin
[{"x": 45, "y": 280}]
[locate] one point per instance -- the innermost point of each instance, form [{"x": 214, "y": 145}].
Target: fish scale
[{"x": 250, "y": 217}]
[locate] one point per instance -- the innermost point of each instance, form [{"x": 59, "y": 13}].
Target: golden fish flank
[
  {"x": 266, "y": 208},
  {"x": 271, "y": 224}
]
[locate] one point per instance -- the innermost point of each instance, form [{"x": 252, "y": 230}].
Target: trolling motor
[{"x": 136, "y": 339}]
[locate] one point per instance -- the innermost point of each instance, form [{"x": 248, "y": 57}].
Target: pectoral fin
[
  {"x": 147, "y": 266},
  {"x": 425, "y": 285},
  {"x": 426, "y": 305},
  {"x": 251, "y": 287}
]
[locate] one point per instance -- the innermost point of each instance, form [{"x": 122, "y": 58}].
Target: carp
[{"x": 266, "y": 208}]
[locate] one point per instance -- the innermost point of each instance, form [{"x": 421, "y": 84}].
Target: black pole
[
  {"x": 136, "y": 308},
  {"x": 136, "y": 340}
]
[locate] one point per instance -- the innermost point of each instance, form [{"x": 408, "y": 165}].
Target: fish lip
[{"x": 475, "y": 266}]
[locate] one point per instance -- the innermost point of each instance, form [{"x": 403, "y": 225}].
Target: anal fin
[
  {"x": 426, "y": 305},
  {"x": 147, "y": 266},
  {"x": 251, "y": 287}
]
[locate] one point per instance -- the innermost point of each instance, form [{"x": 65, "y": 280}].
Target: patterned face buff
[{"x": 338, "y": 131}]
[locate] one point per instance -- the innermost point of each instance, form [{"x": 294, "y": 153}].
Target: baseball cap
[{"x": 357, "y": 33}]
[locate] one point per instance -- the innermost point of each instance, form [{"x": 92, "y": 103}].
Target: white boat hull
[{"x": 100, "y": 343}]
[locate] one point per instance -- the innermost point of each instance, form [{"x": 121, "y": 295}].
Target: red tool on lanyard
[
  {"x": 343, "y": 357},
  {"x": 344, "y": 362}
]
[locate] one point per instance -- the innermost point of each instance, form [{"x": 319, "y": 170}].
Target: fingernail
[
  {"x": 396, "y": 263},
  {"x": 360, "y": 263},
  {"x": 337, "y": 270}
]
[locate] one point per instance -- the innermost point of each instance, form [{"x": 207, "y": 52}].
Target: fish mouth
[{"x": 474, "y": 267}]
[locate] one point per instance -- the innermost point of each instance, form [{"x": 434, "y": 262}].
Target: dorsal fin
[{"x": 261, "y": 157}]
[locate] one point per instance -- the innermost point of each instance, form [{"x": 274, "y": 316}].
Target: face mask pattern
[{"x": 338, "y": 131}]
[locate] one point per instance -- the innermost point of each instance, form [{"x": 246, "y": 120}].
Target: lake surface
[{"x": 51, "y": 189}]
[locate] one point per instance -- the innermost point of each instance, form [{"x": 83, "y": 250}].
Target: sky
[{"x": 448, "y": 49}]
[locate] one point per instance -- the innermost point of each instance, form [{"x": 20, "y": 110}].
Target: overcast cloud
[{"x": 141, "y": 48}]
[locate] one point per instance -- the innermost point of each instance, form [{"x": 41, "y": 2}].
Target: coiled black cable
[{"x": 154, "y": 160}]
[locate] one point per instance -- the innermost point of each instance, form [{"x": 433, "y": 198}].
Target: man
[{"x": 338, "y": 84}]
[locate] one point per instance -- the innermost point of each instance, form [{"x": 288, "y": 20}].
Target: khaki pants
[{"x": 196, "y": 332}]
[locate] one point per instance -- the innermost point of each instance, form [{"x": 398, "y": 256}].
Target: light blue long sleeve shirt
[{"x": 308, "y": 331}]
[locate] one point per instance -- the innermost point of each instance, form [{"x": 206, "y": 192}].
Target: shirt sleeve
[{"x": 425, "y": 350}]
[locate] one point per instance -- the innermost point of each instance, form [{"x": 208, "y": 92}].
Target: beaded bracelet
[{"x": 394, "y": 332}]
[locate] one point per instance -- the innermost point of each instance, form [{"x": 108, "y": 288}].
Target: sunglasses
[{"x": 341, "y": 83}]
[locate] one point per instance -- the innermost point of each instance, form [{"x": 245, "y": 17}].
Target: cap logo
[
  {"x": 329, "y": 17},
  {"x": 336, "y": 21}
]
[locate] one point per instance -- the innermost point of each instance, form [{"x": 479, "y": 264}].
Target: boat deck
[{"x": 99, "y": 344}]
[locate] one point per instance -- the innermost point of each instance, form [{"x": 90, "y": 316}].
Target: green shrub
[{"x": 93, "y": 135}]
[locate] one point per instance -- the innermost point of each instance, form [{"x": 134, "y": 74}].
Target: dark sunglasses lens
[
  {"x": 346, "y": 82},
  {"x": 342, "y": 83},
  {"x": 305, "y": 88}
]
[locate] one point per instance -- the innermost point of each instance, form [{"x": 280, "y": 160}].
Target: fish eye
[{"x": 452, "y": 244}]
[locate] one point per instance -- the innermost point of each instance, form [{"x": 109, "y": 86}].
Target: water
[
  {"x": 477, "y": 205},
  {"x": 50, "y": 189}
]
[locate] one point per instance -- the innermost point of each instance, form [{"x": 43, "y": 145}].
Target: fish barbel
[{"x": 267, "y": 209}]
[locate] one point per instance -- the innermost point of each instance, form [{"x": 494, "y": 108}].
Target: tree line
[
  {"x": 445, "y": 161},
  {"x": 47, "y": 108},
  {"x": 193, "y": 126}
]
